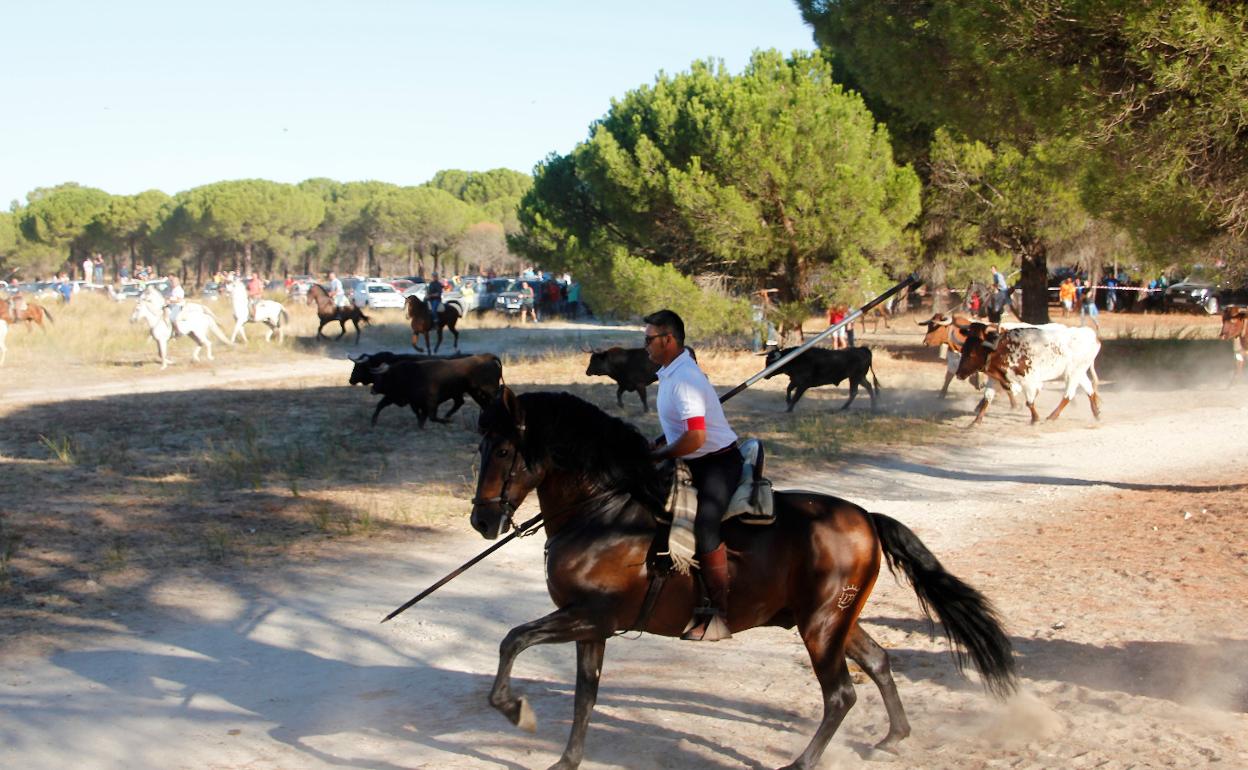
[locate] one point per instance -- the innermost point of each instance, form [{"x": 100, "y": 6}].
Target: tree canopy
[
  {"x": 318, "y": 224},
  {"x": 1154, "y": 89},
  {"x": 763, "y": 177}
]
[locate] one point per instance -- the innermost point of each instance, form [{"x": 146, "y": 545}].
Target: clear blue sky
[{"x": 135, "y": 94}]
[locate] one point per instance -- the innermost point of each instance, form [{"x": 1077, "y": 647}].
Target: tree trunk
[
  {"x": 1034, "y": 285},
  {"x": 199, "y": 270},
  {"x": 937, "y": 286},
  {"x": 247, "y": 258}
]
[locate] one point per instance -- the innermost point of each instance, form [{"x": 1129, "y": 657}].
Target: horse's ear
[{"x": 512, "y": 404}]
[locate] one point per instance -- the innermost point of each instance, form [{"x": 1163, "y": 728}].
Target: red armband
[{"x": 695, "y": 423}]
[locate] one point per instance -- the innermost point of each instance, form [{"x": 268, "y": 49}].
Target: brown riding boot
[{"x": 711, "y": 624}]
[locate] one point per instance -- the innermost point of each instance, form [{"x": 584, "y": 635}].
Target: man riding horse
[
  {"x": 433, "y": 298},
  {"x": 695, "y": 430}
]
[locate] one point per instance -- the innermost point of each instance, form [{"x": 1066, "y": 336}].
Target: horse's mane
[{"x": 577, "y": 436}]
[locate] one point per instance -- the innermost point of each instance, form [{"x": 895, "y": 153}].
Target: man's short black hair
[{"x": 668, "y": 321}]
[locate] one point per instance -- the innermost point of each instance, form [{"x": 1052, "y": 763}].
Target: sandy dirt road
[{"x": 1122, "y": 664}]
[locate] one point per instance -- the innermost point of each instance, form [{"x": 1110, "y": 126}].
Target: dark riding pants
[{"x": 716, "y": 477}]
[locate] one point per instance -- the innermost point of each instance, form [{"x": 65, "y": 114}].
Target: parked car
[
  {"x": 372, "y": 293},
  {"x": 134, "y": 290},
  {"x": 211, "y": 291},
  {"x": 513, "y": 299},
  {"x": 488, "y": 291},
  {"x": 1195, "y": 292}
]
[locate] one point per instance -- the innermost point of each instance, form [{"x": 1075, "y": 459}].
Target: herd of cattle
[{"x": 1016, "y": 358}]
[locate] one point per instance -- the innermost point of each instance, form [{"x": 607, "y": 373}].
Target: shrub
[{"x": 631, "y": 287}]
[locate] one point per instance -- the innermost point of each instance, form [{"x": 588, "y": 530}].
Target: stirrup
[{"x": 707, "y": 625}]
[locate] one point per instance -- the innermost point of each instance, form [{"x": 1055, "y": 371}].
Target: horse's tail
[
  {"x": 970, "y": 621},
  {"x": 215, "y": 328},
  {"x": 283, "y": 317}
]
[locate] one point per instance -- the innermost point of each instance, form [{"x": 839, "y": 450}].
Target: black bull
[
  {"x": 631, "y": 368},
  {"x": 819, "y": 366},
  {"x": 424, "y": 385}
]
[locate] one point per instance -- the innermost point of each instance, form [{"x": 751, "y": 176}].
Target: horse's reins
[{"x": 656, "y": 583}]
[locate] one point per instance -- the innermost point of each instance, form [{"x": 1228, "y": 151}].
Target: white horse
[
  {"x": 194, "y": 321},
  {"x": 266, "y": 312},
  {"x": 4, "y": 332}
]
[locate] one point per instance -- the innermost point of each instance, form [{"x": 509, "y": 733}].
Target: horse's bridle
[{"x": 504, "y": 502}]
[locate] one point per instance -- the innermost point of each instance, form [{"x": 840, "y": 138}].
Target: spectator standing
[
  {"x": 65, "y": 287},
  {"x": 1111, "y": 293},
  {"x": 1087, "y": 306},
  {"x": 88, "y": 269},
  {"x": 528, "y": 305},
  {"x": 98, "y": 270},
  {"x": 1066, "y": 293},
  {"x": 574, "y": 300},
  {"x": 836, "y": 314}
]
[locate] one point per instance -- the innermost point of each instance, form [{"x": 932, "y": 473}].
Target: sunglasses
[{"x": 652, "y": 337}]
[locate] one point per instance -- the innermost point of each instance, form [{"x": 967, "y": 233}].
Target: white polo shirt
[{"x": 684, "y": 393}]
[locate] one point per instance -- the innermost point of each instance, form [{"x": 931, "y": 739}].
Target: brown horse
[
  {"x": 422, "y": 322},
  {"x": 813, "y": 568},
  {"x": 328, "y": 312},
  {"x": 1235, "y": 328},
  {"x": 28, "y": 312}
]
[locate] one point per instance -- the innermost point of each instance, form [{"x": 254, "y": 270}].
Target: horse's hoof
[
  {"x": 889, "y": 744},
  {"x": 526, "y": 720}
]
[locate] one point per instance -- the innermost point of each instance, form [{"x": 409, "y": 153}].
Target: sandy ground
[{"x": 1117, "y": 553}]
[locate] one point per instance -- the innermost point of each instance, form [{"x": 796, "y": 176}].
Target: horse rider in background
[
  {"x": 175, "y": 299},
  {"x": 695, "y": 429},
  {"x": 335, "y": 290},
  {"x": 433, "y": 298},
  {"x": 255, "y": 292}
]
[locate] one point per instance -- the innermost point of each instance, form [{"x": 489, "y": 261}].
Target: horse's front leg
[
  {"x": 564, "y": 625},
  {"x": 342, "y": 328}
]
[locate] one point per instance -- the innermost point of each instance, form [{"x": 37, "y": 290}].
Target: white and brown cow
[
  {"x": 1235, "y": 328},
  {"x": 1022, "y": 359}
]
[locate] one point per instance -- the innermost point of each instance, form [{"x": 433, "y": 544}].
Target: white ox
[{"x": 1022, "y": 359}]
